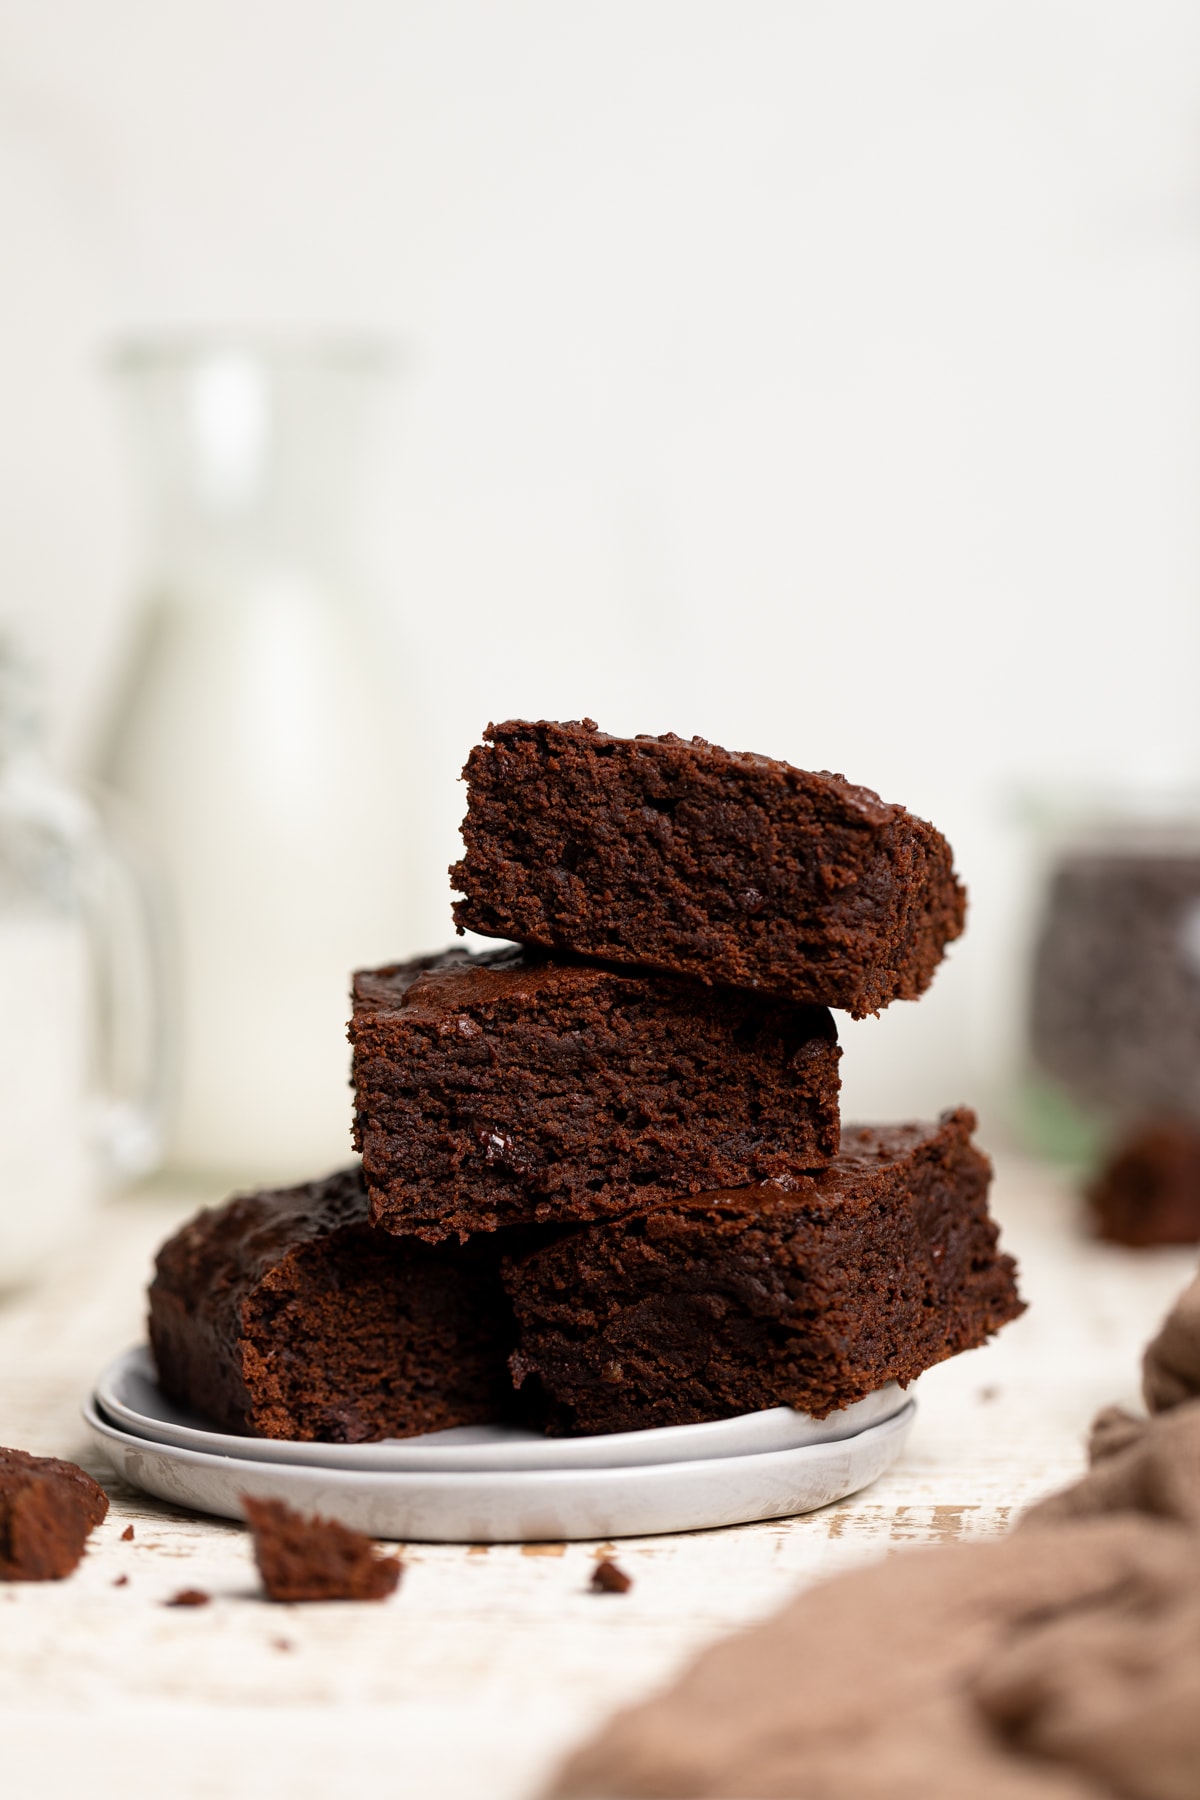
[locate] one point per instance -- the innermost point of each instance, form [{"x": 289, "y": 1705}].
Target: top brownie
[{"x": 683, "y": 857}]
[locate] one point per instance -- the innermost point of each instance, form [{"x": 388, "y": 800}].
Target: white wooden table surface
[{"x": 488, "y": 1662}]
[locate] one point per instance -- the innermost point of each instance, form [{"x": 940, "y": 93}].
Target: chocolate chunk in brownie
[
  {"x": 1149, "y": 1190},
  {"x": 47, "y": 1509},
  {"x": 283, "y": 1314},
  {"x": 512, "y": 1089},
  {"x": 811, "y": 1295},
  {"x": 724, "y": 866},
  {"x": 302, "y": 1558}
]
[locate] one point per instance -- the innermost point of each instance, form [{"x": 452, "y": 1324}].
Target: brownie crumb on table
[
  {"x": 47, "y": 1510},
  {"x": 1148, "y": 1192},
  {"x": 283, "y": 1314},
  {"x": 607, "y": 1578},
  {"x": 810, "y": 1296},
  {"x": 729, "y": 867},
  {"x": 514, "y": 1089},
  {"x": 127, "y": 1534},
  {"x": 189, "y": 1597},
  {"x": 311, "y": 1558}
]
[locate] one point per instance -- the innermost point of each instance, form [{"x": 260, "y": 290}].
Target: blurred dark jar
[{"x": 1114, "y": 1006}]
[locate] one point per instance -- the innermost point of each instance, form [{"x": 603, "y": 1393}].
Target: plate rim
[
  {"x": 454, "y": 1480},
  {"x": 280, "y": 1452}
]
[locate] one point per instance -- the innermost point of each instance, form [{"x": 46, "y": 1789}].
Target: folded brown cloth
[
  {"x": 1147, "y": 1466},
  {"x": 1113, "y": 1690},
  {"x": 931, "y": 1675},
  {"x": 1061, "y": 1663},
  {"x": 1171, "y": 1365}
]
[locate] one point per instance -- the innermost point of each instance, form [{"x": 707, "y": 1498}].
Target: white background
[{"x": 821, "y": 378}]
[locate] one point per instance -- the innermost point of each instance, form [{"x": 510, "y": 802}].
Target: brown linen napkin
[
  {"x": 1061, "y": 1663},
  {"x": 1171, "y": 1365},
  {"x": 1147, "y": 1466},
  {"x": 932, "y": 1676},
  {"x": 1112, "y": 1690}
]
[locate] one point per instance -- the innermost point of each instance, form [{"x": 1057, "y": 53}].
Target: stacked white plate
[{"x": 491, "y": 1484}]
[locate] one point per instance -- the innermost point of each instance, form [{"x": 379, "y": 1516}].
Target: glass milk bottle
[
  {"x": 256, "y": 736},
  {"x": 83, "y": 1062}
]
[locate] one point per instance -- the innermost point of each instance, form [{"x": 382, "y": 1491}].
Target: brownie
[
  {"x": 680, "y": 856},
  {"x": 809, "y": 1295},
  {"x": 47, "y": 1510},
  {"x": 311, "y": 1558},
  {"x": 283, "y": 1314},
  {"x": 1148, "y": 1192},
  {"x": 510, "y": 1088}
]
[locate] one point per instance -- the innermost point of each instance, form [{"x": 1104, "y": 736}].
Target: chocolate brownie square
[
  {"x": 725, "y": 866},
  {"x": 282, "y": 1314},
  {"x": 511, "y": 1089},
  {"x": 810, "y": 1295}
]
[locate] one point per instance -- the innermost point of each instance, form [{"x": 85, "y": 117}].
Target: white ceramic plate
[
  {"x": 128, "y": 1392},
  {"x": 518, "y": 1505}
]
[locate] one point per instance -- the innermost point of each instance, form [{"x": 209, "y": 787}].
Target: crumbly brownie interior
[
  {"x": 684, "y": 857},
  {"x": 866, "y": 1273},
  {"x": 512, "y": 1089},
  {"x": 363, "y": 1340},
  {"x": 285, "y": 1315}
]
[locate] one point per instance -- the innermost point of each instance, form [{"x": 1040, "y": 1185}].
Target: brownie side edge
[
  {"x": 867, "y": 1272},
  {"x": 507, "y": 1089},
  {"x": 686, "y": 858},
  {"x": 206, "y": 1272}
]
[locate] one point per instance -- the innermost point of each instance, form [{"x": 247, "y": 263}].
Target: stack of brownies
[{"x": 604, "y": 1184}]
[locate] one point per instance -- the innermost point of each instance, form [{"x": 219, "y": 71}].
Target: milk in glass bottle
[{"x": 256, "y": 735}]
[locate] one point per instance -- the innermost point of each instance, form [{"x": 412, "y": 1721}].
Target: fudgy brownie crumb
[
  {"x": 47, "y": 1509},
  {"x": 127, "y": 1534},
  {"x": 189, "y": 1597},
  {"x": 721, "y": 865},
  {"x": 607, "y": 1578},
  {"x": 311, "y": 1558}
]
